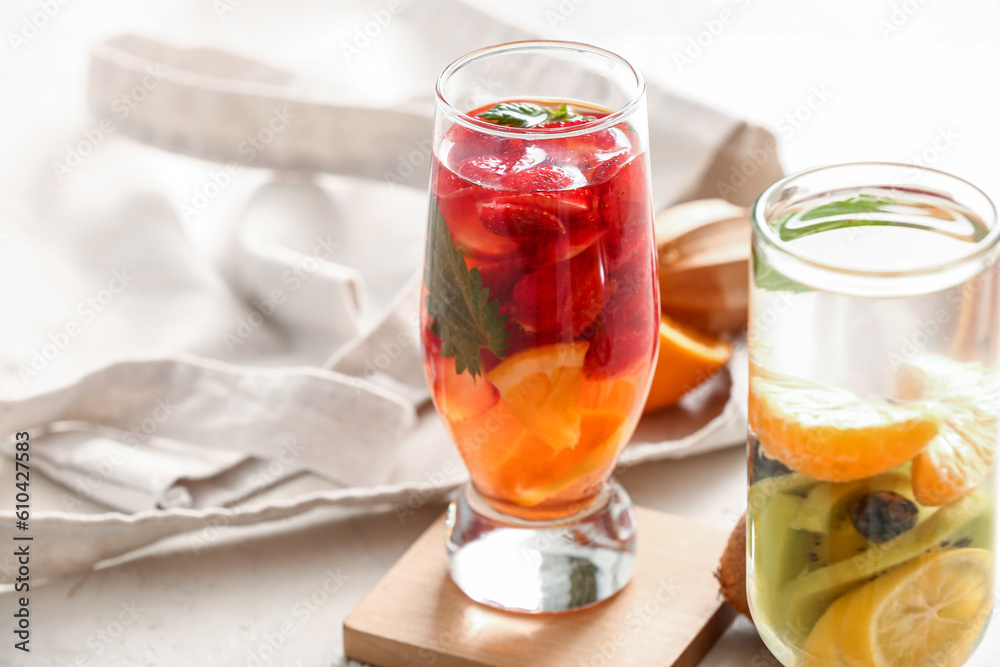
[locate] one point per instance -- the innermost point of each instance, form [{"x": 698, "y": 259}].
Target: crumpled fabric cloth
[{"x": 210, "y": 309}]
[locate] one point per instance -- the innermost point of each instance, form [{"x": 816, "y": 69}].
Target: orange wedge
[
  {"x": 542, "y": 388},
  {"x": 831, "y": 434},
  {"x": 961, "y": 457},
  {"x": 532, "y": 471},
  {"x": 686, "y": 360},
  {"x": 616, "y": 395}
]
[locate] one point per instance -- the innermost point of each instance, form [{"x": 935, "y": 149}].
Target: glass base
[{"x": 537, "y": 567}]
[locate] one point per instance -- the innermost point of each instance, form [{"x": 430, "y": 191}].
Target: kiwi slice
[
  {"x": 965, "y": 522},
  {"x": 769, "y": 514}
]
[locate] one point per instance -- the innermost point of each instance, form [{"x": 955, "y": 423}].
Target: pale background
[{"x": 830, "y": 78}]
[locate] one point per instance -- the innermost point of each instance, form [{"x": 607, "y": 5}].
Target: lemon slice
[
  {"x": 542, "y": 388},
  {"x": 829, "y": 433},
  {"x": 960, "y": 458},
  {"x": 928, "y": 612},
  {"x": 821, "y": 648}
]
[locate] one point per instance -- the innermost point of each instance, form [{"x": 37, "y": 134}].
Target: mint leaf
[
  {"x": 465, "y": 318},
  {"x": 562, "y": 113},
  {"x": 861, "y": 205},
  {"x": 516, "y": 114},
  {"x": 528, "y": 114},
  {"x": 766, "y": 277}
]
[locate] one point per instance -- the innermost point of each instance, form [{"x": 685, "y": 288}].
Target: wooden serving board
[{"x": 669, "y": 615}]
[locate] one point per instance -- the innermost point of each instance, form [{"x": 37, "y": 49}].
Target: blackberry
[{"x": 883, "y": 515}]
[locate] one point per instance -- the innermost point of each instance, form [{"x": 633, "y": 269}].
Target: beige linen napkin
[{"x": 315, "y": 266}]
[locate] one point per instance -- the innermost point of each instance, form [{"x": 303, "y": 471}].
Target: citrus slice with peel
[
  {"x": 542, "y": 388},
  {"x": 687, "y": 359},
  {"x": 829, "y": 433},
  {"x": 616, "y": 395},
  {"x": 961, "y": 457},
  {"x": 927, "y": 612},
  {"x": 535, "y": 472},
  {"x": 821, "y": 649}
]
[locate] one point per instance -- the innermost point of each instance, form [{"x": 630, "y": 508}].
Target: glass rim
[
  {"x": 613, "y": 118},
  {"x": 763, "y": 230}
]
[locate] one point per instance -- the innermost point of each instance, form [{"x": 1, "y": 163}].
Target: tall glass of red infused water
[{"x": 539, "y": 316}]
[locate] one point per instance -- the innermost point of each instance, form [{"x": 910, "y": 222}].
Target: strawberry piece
[
  {"x": 488, "y": 170},
  {"x": 566, "y": 203},
  {"x": 499, "y": 275},
  {"x": 628, "y": 323},
  {"x": 606, "y": 169},
  {"x": 446, "y": 184},
  {"x": 520, "y": 339},
  {"x": 623, "y": 202},
  {"x": 561, "y": 298},
  {"x": 518, "y": 220},
  {"x": 539, "y": 251},
  {"x": 530, "y": 157},
  {"x": 541, "y": 179},
  {"x": 616, "y": 351},
  {"x": 459, "y": 209},
  {"x": 462, "y": 143}
]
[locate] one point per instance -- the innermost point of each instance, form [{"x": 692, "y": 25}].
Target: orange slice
[
  {"x": 542, "y": 387},
  {"x": 831, "y": 434},
  {"x": 616, "y": 395},
  {"x": 961, "y": 457},
  {"x": 533, "y": 471},
  {"x": 686, "y": 360}
]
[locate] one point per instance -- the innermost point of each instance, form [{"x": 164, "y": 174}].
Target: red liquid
[{"x": 560, "y": 229}]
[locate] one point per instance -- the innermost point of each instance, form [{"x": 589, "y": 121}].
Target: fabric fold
[{"x": 212, "y": 404}]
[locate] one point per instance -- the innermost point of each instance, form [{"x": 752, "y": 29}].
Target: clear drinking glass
[
  {"x": 539, "y": 315},
  {"x": 873, "y": 416}
]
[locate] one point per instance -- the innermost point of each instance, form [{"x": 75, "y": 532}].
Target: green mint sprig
[
  {"x": 528, "y": 114},
  {"x": 465, "y": 318},
  {"x": 860, "y": 205}
]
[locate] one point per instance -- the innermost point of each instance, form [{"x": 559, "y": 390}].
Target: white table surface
[{"x": 256, "y": 596}]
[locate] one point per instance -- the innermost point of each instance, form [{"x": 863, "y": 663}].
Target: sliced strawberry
[
  {"x": 529, "y": 158},
  {"x": 539, "y": 251},
  {"x": 618, "y": 350},
  {"x": 607, "y": 168},
  {"x": 520, "y": 339},
  {"x": 565, "y": 203},
  {"x": 628, "y": 323},
  {"x": 462, "y": 143},
  {"x": 541, "y": 179},
  {"x": 461, "y": 215},
  {"x": 563, "y": 298},
  {"x": 487, "y": 170},
  {"x": 518, "y": 220},
  {"x": 624, "y": 203},
  {"x": 447, "y": 184},
  {"x": 499, "y": 275}
]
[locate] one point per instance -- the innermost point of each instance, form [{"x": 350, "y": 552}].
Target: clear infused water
[{"x": 874, "y": 408}]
